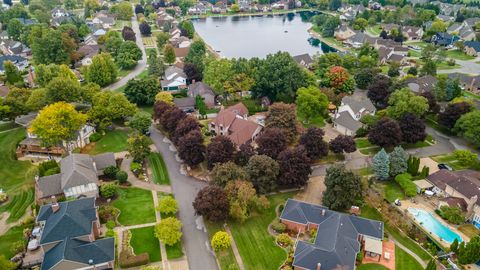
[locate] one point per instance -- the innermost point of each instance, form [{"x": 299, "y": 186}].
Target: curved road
[
  {"x": 141, "y": 65},
  {"x": 185, "y": 188}
]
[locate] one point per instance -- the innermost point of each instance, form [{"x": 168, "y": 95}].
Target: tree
[
  {"x": 212, "y": 203},
  {"x": 139, "y": 9},
  {"x": 57, "y": 122},
  {"x": 12, "y": 74},
  {"x": 339, "y": 79},
  {"x": 141, "y": 121},
  {"x": 164, "y": 96},
  {"x": 194, "y": 61},
  {"x": 191, "y": 149},
  {"x": 360, "y": 24},
  {"x": 122, "y": 177},
  {"x": 145, "y": 29},
  {"x": 447, "y": 88},
  {"x": 142, "y": 91},
  {"x": 413, "y": 128},
  {"x": 429, "y": 68},
  {"x": 187, "y": 29},
  {"x": 14, "y": 29},
  {"x": 262, "y": 172},
  {"x": 311, "y": 102},
  {"x": 156, "y": 67},
  {"x": 162, "y": 39},
  {"x": 432, "y": 102},
  {"x": 469, "y": 126},
  {"x": 394, "y": 69},
  {"x": 365, "y": 76},
  {"x": 201, "y": 106},
  {"x": 169, "y": 231},
  {"x": 381, "y": 165},
  {"x": 243, "y": 197},
  {"x": 223, "y": 173},
  {"x": 138, "y": 146},
  {"x": 221, "y": 240},
  {"x": 271, "y": 142},
  {"x": 168, "y": 205},
  {"x": 398, "y": 161},
  {"x": 283, "y": 116},
  {"x": 453, "y": 89},
  {"x": 171, "y": 118},
  {"x": 128, "y": 34},
  {"x": 123, "y": 11},
  {"x": 184, "y": 126},
  {"x": 219, "y": 150},
  {"x": 379, "y": 91},
  {"x": 244, "y": 153},
  {"x": 314, "y": 144},
  {"x": 169, "y": 54},
  {"x": 63, "y": 89},
  {"x": 128, "y": 55},
  {"x": 470, "y": 252},
  {"x": 466, "y": 157},
  {"x": 217, "y": 73},
  {"x": 109, "y": 106},
  {"x": 49, "y": 46},
  {"x": 37, "y": 99},
  {"x": 102, "y": 71},
  {"x": 7, "y": 264},
  {"x": 452, "y": 113},
  {"x": 405, "y": 101},
  {"x": 437, "y": 26},
  {"x": 412, "y": 71},
  {"x": 343, "y": 188},
  {"x": 239, "y": 83},
  {"x": 16, "y": 100},
  {"x": 113, "y": 42},
  {"x": 385, "y": 133},
  {"x": 334, "y": 4},
  {"x": 108, "y": 190},
  {"x": 453, "y": 248},
  {"x": 294, "y": 167},
  {"x": 343, "y": 143}
]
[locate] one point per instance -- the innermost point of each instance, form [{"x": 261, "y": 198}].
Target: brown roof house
[
  {"x": 344, "y": 32},
  {"x": 461, "y": 185},
  {"x": 87, "y": 53},
  {"x": 347, "y": 117},
  {"x": 422, "y": 84},
  {"x": 78, "y": 177},
  {"x": 204, "y": 90},
  {"x": 233, "y": 122}
]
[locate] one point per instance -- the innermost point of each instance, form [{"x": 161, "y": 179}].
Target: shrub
[
  {"x": 52, "y": 171},
  {"x": 452, "y": 214},
  {"x": 278, "y": 226},
  {"x": 3, "y": 197},
  {"x": 168, "y": 205},
  {"x": 95, "y": 137},
  {"x": 451, "y": 62},
  {"x": 361, "y": 132},
  {"x": 221, "y": 240},
  {"x": 110, "y": 224},
  {"x": 284, "y": 240},
  {"x": 360, "y": 257},
  {"x": 18, "y": 246},
  {"x": 168, "y": 230},
  {"x": 50, "y": 166},
  {"x": 107, "y": 212},
  {"x": 135, "y": 167},
  {"x": 110, "y": 171},
  {"x": 109, "y": 233},
  {"x": 122, "y": 177},
  {"x": 108, "y": 190},
  {"x": 405, "y": 181},
  {"x": 128, "y": 260}
]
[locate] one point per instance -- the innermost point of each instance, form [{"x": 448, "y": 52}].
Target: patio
[{"x": 388, "y": 257}]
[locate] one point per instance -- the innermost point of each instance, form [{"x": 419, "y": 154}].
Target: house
[
  {"x": 205, "y": 91},
  {"x": 471, "y": 21},
  {"x": 304, "y": 60},
  {"x": 181, "y": 53},
  {"x": 87, "y": 53},
  {"x": 467, "y": 82},
  {"x": 472, "y": 48},
  {"x": 201, "y": 8},
  {"x": 422, "y": 85},
  {"x": 388, "y": 55},
  {"x": 347, "y": 117},
  {"x": 233, "y": 122},
  {"x": 69, "y": 233},
  {"x": 463, "y": 184},
  {"x": 12, "y": 47},
  {"x": 78, "y": 177},
  {"x": 344, "y": 32},
  {"x": 20, "y": 62},
  {"x": 180, "y": 42},
  {"x": 445, "y": 18},
  {"x": 174, "y": 79},
  {"x": 464, "y": 31},
  {"x": 164, "y": 19},
  {"x": 444, "y": 39},
  {"x": 103, "y": 19},
  {"x": 357, "y": 40},
  {"x": 186, "y": 104},
  {"x": 339, "y": 238},
  {"x": 59, "y": 12},
  {"x": 412, "y": 32}
]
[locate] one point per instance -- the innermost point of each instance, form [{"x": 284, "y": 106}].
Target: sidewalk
[{"x": 238, "y": 258}]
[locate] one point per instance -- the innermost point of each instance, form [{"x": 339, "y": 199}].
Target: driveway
[
  {"x": 185, "y": 189},
  {"x": 142, "y": 63}
]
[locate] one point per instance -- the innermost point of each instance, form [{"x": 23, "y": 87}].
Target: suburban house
[
  {"x": 78, "y": 177},
  {"x": 463, "y": 30},
  {"x": 59, "y": 12},
  {"x": 174, "y": 79},
  {"x": 180, "y": 42},
  {"x": 181, "y": 53},
  {"x": 186, "y": 104},
  {"x": 87, "y": 53},
  {"x": 164, "y": 19},
  {"x": 472, "y": 48},
  {"x": 103, "y": 19},
  {"x": 69, "y": 233},
  {"x": 13, "y": 47},
  {"x": 444, "y": 39},
  {"x": 340, "y": 237},
  {"x": 357, "y": 40},
  {"x": 344, "y": 32},
  {"x": 233, "y": 122},
  {"x": 20, "y": 62},
  {"x": 304, "y": 60},
  {"x": 347, "y": 117},
  {"x": 205, "y": 91},
  {"x": 388, "y": 55},
  {"x": 412, "y": 32},
  {"x": 420, "y": 85},
  {"x": 462, "y": 185},
  {"x": 201, "y": 8},
  {"x": 469, "y": 83}
]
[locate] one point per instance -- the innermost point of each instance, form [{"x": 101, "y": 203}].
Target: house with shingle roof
[
  {"x": 348, "y": 115},
  {"x": 304, "y": 60},
  {"x": 472, "y": 48},
  {"x": 340, "y": 237},
  {"x": 87, "y": 53},
  {"x": 420, "y": 85},
  {"x": 205, "y": 91},
  {"x": 174, "y": 79},
  {"x": 343, "y": 32},
  {"x": 69, "y": 233}
]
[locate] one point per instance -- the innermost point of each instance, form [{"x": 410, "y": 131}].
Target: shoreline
[
  {"x": 319, "y": 37},
  {"x": 276, "y": 12}
]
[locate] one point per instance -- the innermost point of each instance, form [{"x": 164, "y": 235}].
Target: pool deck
[{"x": 388, "y": 247}]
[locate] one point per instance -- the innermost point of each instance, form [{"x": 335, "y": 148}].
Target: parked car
[{"x": 443, "y": 166}]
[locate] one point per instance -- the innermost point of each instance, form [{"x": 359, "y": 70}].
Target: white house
[
  {"x": 174, "y": 79},
  {"x": 347, "y": 117}
]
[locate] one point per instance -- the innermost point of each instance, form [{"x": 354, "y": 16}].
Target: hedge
[
  {"x": 405, "y": 181},
  {"x": 128, "y": 260}
]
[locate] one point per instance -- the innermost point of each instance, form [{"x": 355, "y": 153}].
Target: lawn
[
  {"x": 7, "y": 240},
  {"x": 112, "y": 141},
  {"x": 366, "y": 148},
  {"x": 450, "y": 160},
  {"x": 392, "y": 191},
  {"x": 144, "y": 240},
  {"x": 444, "y": 65},
  {"x": 159, "y": 169},
  {"x": 363, "y": 143},
  {"x": 175, "y": 251},
  {"x": 469, "y": 230},
  {"x": 18, "y": 205},
  {"x": 403, "y": 261},
  {"x": 374, "y": 30},
  {"x": 317, "y": 121},
  {"x": 226, "y": 258},
  {"x": 119, "y": 24},
  {"x": 371, "y": 266},
  {"x": 256, "y": 246},
  {"x": 414, "y": 53},
  {"x": 149, "y": 42},
  {"x": 7, "y": 125},
  {"x": 136, "y": 206},
  {"x": 456, "y": 54},
  {"x": 471, "y": 95}
]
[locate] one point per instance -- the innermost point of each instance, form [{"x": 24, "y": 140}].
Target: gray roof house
[
  {"x": 204, "y": 90},
  {"x": 422, "y": 84},
  {"x": 68, "y": 237},
  {"x": 174, "y": 79},
  {"x": 78, "y": 177},
  {"x": 347, "y": 118},
  {"x": 305, "y": 60},
  {"x": 186, "y": 104},
  {"x": 340, "y": 237}
]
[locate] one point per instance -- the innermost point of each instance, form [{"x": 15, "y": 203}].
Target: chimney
[
  {"x": 318, "y": 266},
  {"x": 323, "y": 212},
  {"x": 55, "y": 205}
]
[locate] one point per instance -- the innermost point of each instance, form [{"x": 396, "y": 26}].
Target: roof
[
  {"x": 465, "y": 182},
  {"x": 104, "y": 160},
  {"x": 456, "y": 202},
  {"x": 49, "y": 185},
  {"x": 422, "y": 84},
  {"x": 12, "y": 58},
  {"x": 345, "y": 119},
  {"x": 73, "y": 219},
  {"x": 89, "y": 50},
  {"x": 304, "y": 59},
  {"x": 184, "y": 102},
  {"x": 181, "y": 52},
  {"x": 336, "y": 243},
  {"x": 423, "y": 184},
  {"x": 358, "y": 104},
  {"x": 241, "y": 131},
  {"x": 473, "y": 44},
  {"x": 77, "y": 170},
  {"x": 372, "y": 245},
  {"x": 25, "y": 120},
  {"x": 200, "y": 88}
]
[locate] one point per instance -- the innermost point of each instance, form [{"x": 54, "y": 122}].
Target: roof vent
[
  {"x": 323, "y": 212},
  {"x": 90, "y": 262}
]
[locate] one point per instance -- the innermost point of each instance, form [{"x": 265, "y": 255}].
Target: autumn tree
[
  {"x": 343, "y": 188},
  {"x": 385, "y": 133},
  {"x": 311, "y": 102},
  {"x": 262, "y": 172},
  {"x": 57, "y": 122},
  {"x": 432, "y": 102},
  {"x": 271, "y": 142},
  {"x": 381, "y": 165},
  {"x": 191, "y": 149},
  {"x": 184, "y": 126},
  {"x": 244, "y": 153},
  {"x": 294, "y": 167},
  {"x": 219, "y": 150},
  {"x": 339, "y": 79},
  {"x": 413, "y": 128},
  {"x": 169, "y": 231},
  {"x": 343, "y": 143},
  {"x": 223, "y": 173},
  {"x": 212, "y": 203},
  {"x": 220, "y": 241},
  {"x": 452, "y": 113},
  {"x": 243, "y": 198},
  {"x": 160, "y": 108},
  {"x": 283, "y": 116},
  {"x": 314, "y": 144},
  {"x": 138, "y": 145}
]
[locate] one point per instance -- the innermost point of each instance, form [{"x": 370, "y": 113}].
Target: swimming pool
[{"x": 431, "y": 224}]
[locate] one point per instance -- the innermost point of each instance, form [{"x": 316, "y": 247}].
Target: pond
[{"x": 259, "y": 35}]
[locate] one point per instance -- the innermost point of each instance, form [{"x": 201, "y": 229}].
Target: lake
[{"x": 257, "y": 36}]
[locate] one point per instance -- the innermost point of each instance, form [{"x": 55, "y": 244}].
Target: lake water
[{"x": 257, "y": 36}]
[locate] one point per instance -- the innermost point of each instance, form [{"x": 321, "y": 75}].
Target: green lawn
[
  {"x": 175, "y": 251},
  {"x": 363, "y": 143},
  {"x": 144, "y": 240},
  {"x": 18, "y": 205},
  {"x": 112, "y": 141},
  {"x": 450, "y": 160},
  {"x": 403, "y": 261},
  {"x": 7, "y": 126},
  {"x": 317, "y": 121},
  {"x": 414, "y": 53},
  {"x": 371, "y": 266},
  {"x": 136, "y": 206},
  {"x": 456, "y": 54},
  {"x": 366, "y": 148},
  {"x": 159, "y": 169},
  {"x": 256, "y": 246},
  {"x": 226, "y": 258},
  {"x": 392, "y": 191},
  {"x": 374, "y": 30},
  {"x": 469, "y": 229},
  {"x": 7, "y": 240},
  {"x": 471, "y": 95},
  {"x": 444, "y": 65}
]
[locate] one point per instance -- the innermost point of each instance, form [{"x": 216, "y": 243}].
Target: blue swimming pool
[{"x": 431, "y": 224}]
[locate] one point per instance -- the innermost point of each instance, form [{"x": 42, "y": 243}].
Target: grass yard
[
  {"x": 7, "y": 240},
  {"x": 256, "y": 246},
  {"x": 414, "y": 53},
  {"x": 392, "y": 191},
  {"x": 374, "y": 30},
  {"x": 7, "y": 125},
  {"x": 18, "y": 205},
  {"x": 363, "y": 143},
  {"x": 226, "y": 258},
  {"x": 471, "y": 95},
  {"x": 119, "y": 24},
  {"x": 371, "y": 266},
  {"x": 469, "y": 230},
  {"x": 147, "y": 109},
  {"x": 144, "y": 240},
  {"x": 136, "y": 206},
  {"x": 159, "y": 169},
  {"x": 403, "y": 261},
  {"x": 366, "y": 148},
  {"x": 317, "y": 121},
  {"x": 112, "y": 141},
  {"x": 450, "y": 160},
  {"x": 456, "y": 54},
  {"x": 444, "y": 65},
  {"x": 175, "y": 251}
]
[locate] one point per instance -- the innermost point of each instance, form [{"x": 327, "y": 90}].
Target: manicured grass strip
[
  {"x": 403, "y": 261},
  {"x": 256, "y": 246},
  {"x": 175, "y": 251},
  {"x": 112, "y": 141},
  {"x": 371, "y": 266},
  {"x": 18, "y": 204},
  {"x": 393, "y": 191},
  {"x": 136, "y": 206},
  {"x": 469, "y": 229},
  {"x": 363, "y": 143},
  {"x": 159, "y": 169},
  {"x": 7, "y": 126},
  {"x": 225, "y": 258},
  {"x": 460, "y": 55},
  {"x": 7, "y": 240},
  {"x": 144, "y": 240}
]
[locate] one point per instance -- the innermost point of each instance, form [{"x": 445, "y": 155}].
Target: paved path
[
  {"x": 141, "y": 65},
  {"x": 235, "y": 249},
  {"x": 163, "y": 251},
  {"x": 422, "y": 262},
  {"x": 196, "y": 241}
]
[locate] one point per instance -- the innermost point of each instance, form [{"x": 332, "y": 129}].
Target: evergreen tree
[
  {"x": 398, "y": 161},
  {"x": 381, "y": 165},
  {"x": 413, "y": 164}
]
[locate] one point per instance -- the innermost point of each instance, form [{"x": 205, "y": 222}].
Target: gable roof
[
  {"x": 304, "y": 59},
  {"x": 77, "y": 170},
  {"x": 466, "y": 182},
  {"x": 184, "y": 102},
  {"x": 473, "y": 44},
  {"x": 422, "y": 84},
  {"x": 49, "y": 185},
  {"x": 12, "y": 58},
  {"x": 241, "y": 131},
  {"x": 89, "y": 50},
  {"x": 104, "y": 160},
  {"x": 358, "y": 104},
  {"x": 200, "y": 88}
]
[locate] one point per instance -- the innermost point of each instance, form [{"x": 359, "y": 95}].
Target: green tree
[
  {"x": 223, "y": 173},
  {"x": 139, "y": 146},
  {"x": 404, "y": 101},
  {"x": 201, "y": 106},
  {"x": 360, "y": 24},
  {"x": 381, "y": 165},
  {"x": 108, "y": 106},
  {"x": 196, "y": 57},
  {"x": 63, "y": 89},
  {"x": 143, "y": 91},
  {"x": 37, "y": 99},
  {"x": 169, "y": 54},
  {"x": 343, "y": 188},
  {"x": 12, "y": 74},
  {"x": 469, "y": 126},
  {"x": 453, "y": 248},
  {"x": 123, "y": 11},
  {"x": 466, "y": 157},
  {"x": 156, "y": 67},
  {"x": 437, "y": 26},
  {"x": 217, "y": 72},
  {"x": 221, "y": 240},
  {"x": 108, "y": 190},
  {"x": 398, "y": 161},
  {"x": 469, "y": 253},
  {"x": 429, "y": 68},
  {"x": 164, "y": 96},
  {"x": 128, "y": 55},
  {"x": 283, "y": 116},
  {"x": 162, "y": 39},
  {"x": 49, "y": 46},
  {"x": 167, "y": 205},
  {"x": 187, "y": 29},
  {"x": 168, "y": 231},
  {"x": 141, "y": 121},
  {"x": 394, "y": 69},
  {"x": 102, "y": 71},
  {"x": 16, "y": 101},
  {"x": 262, "y": 172},
  {"x": 14, "y": 29},
  {"x": 311, "y": 102}
]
